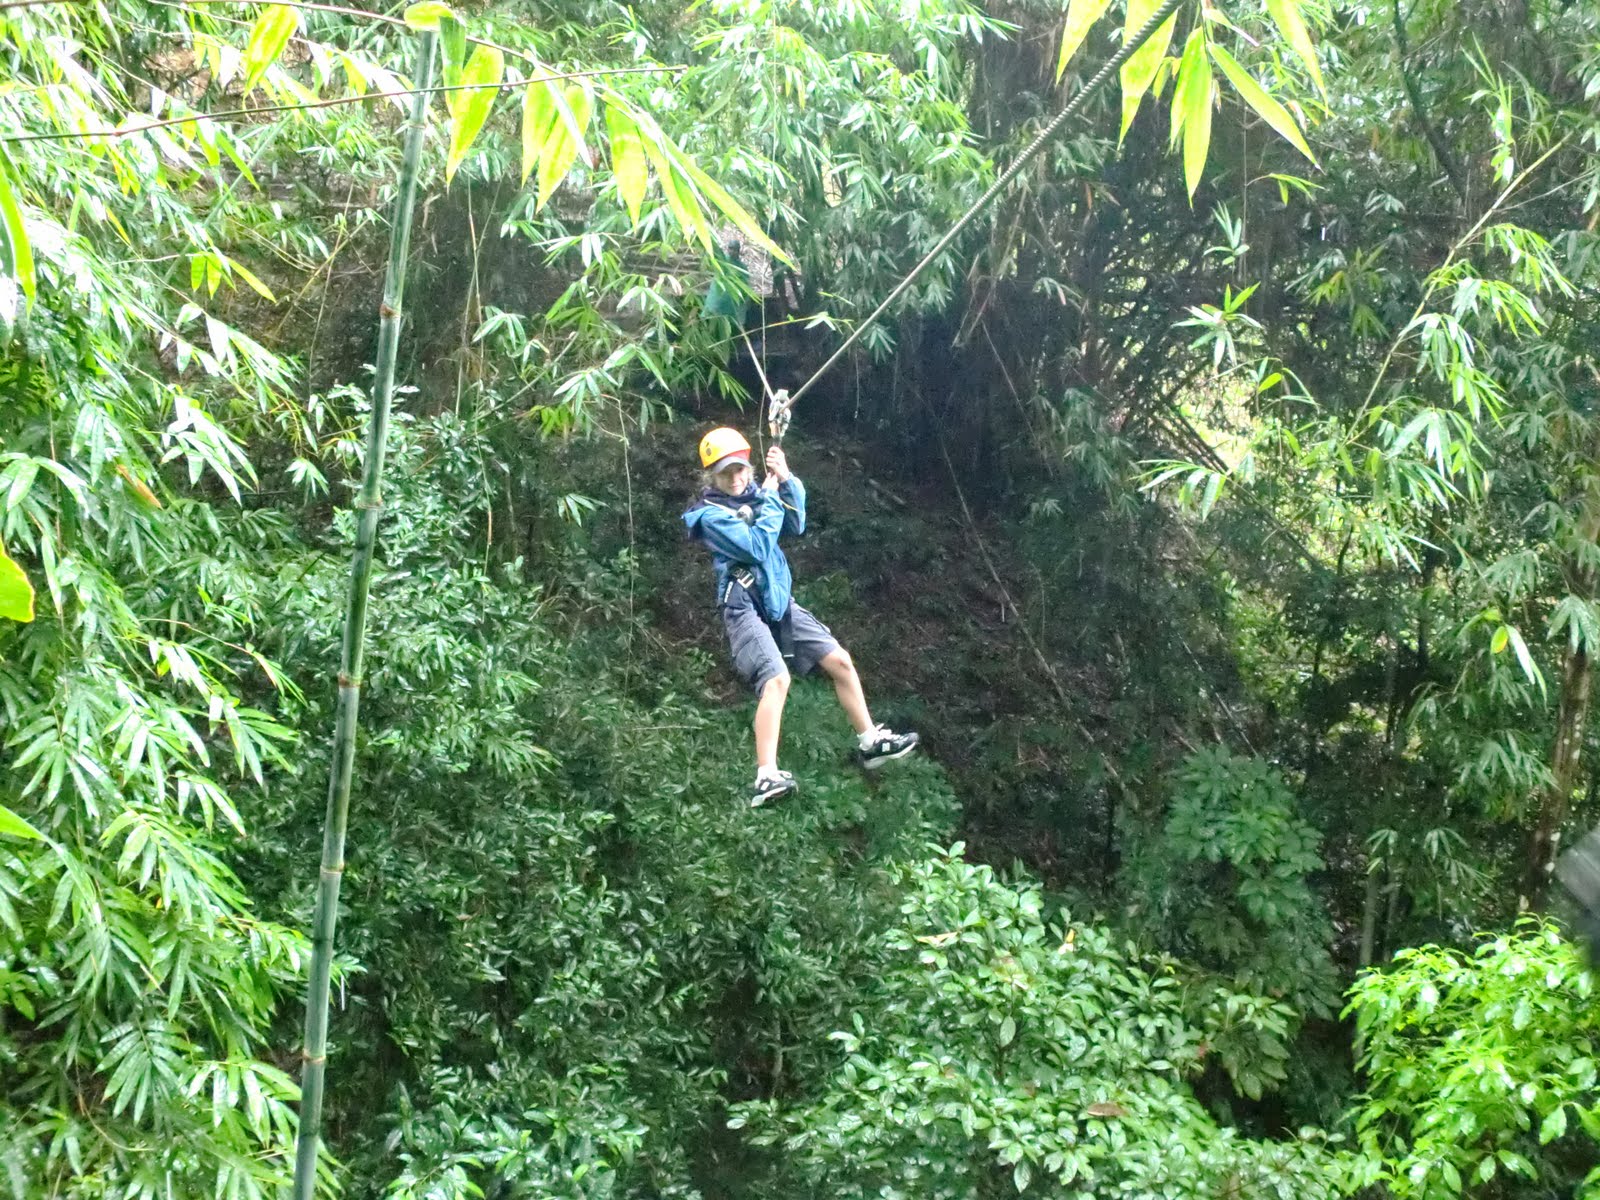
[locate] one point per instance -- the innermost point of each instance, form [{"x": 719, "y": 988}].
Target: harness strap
[{"x": 782, "y": 629}]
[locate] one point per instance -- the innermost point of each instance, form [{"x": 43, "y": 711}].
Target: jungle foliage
[{"x": 1223, "y": 508}]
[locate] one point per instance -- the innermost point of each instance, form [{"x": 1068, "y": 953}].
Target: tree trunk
[
  {"x": 1369, "y": 915},
  {"x": 1565, "y": 758}
]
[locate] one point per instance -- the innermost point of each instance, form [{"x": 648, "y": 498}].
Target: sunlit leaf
[
  {"x": 1256, "y": 97},
  {"x": 16, "y": 592},
  {"x": 268, "y": 36},
  {"x": 538, "y": 115},
  {"x": 12, "y": 825},
  {"x": 427, "y": 14},
  {"x": 469, "y": 109},
  {"x": 1191, "y": 109},
  {"x": 1081, "y": 16},
  {"x": 1286, "y": 16},
  {"x": 627, "y": 160},
  {"x": 250, "y": 277},
  {"x": 1139, "y": 72},
  {"x": 16, "y": 253},
  {"x": 681, "y": 200},
  {"x": 560, "y": 150},
  {"x": 727, "y": 205}
]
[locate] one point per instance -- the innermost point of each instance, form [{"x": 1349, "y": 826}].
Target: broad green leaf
[
  {"x": 16, "y": 593},
  {"x": 12, "y": 825},
  {"x": 1286, "y": 16},
  {"x": 427, "y": 14},
  {"x": 1139, "y": 72},
  {"x": 268, "y": 36},
  {"x": 470, "y": 109},
  {"x": 538, "y": 115},
  {"x": 16, "y": 253},
  {"x": 453, "y": 49},
  {"x": 1081, "y": 16},
  {"x": 627, "y": 160},
  {"x": 560, "y": 150},
  {"x": 1191, "y": 109},
  {"x": 1501, "y": 639},
  {"x": 1256, "y": 97},
  {"x": 1553, "y": 1126}
]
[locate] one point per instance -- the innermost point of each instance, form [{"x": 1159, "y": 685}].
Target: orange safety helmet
[{"x": 723, "y": 443}]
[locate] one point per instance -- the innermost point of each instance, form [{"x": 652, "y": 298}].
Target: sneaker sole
[
  {"x": 767, "y": 798},
  {"x": 875, "y": 763}
]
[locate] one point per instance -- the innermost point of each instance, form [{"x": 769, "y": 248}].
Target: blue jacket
[{"x": 734, "y": 544}]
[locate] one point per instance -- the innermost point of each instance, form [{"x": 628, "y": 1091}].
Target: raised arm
[{"x": 793, "y": 494}]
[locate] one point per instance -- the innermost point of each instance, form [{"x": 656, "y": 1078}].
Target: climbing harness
[
  {"x": 1129, "y": 46},
  {"x": 782, "y": 629}
]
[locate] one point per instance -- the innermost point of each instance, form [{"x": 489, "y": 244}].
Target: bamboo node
[
  {"x": 388, "y": 311},
  {"x": 349, "y": 681}
]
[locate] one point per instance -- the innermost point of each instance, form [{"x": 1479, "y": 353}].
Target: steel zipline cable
[{"x": 1129, "y": 47}]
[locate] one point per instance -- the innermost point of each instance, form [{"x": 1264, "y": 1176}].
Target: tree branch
[{"x": 1441, "y": 148}]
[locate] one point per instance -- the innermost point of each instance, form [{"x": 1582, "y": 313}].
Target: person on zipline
[{"x": 770, "y": 636}]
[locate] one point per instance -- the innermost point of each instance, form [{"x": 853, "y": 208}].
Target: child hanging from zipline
[{"x": 770, "y": 636}]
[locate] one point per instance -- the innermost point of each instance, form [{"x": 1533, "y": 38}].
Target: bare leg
[
  {"x": 769, "y": 719},
  {"x": 847, "y": 683}
]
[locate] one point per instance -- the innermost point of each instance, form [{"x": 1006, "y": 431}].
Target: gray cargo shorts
[{"x": 756, "y": 657}]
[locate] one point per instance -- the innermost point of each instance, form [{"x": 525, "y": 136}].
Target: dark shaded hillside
[{"x": 1021, "y": 717}]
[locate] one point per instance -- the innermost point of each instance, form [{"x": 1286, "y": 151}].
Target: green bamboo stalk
[{"x": 369, "y": 505}]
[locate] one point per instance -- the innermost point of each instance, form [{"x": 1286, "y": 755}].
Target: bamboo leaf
[
  {"x": 1529, "y": 667},
  {"x": 16, "y": 593},
  {"x": 470, "y": 109},
  {"x": 1191, "y": 109},
  {"x": 681, "y": 200},
  {"x": 727, "y": 205},
  {"x": 1139, "y": 72},
  {"x": 627, "y": 160},
  {"x": 561, "y": 149},
  {"x": 538, "y": 115},
  {"x": 1081, "y": 16},
  {"x": 561, "y": 99},
  {"x": 15, "y": 826},
  {"x": 453, "y": 49},
  {"x": 268, "y": 36},
  {"x": 1256, "y": 97},
  {"x": 1286, "y": 16},
  {"x": 250, "y": 277},
  {"x": 16, "y": 253},
  {"x": 12, "y": 825},
  {"x": 427, "y": 14}
]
